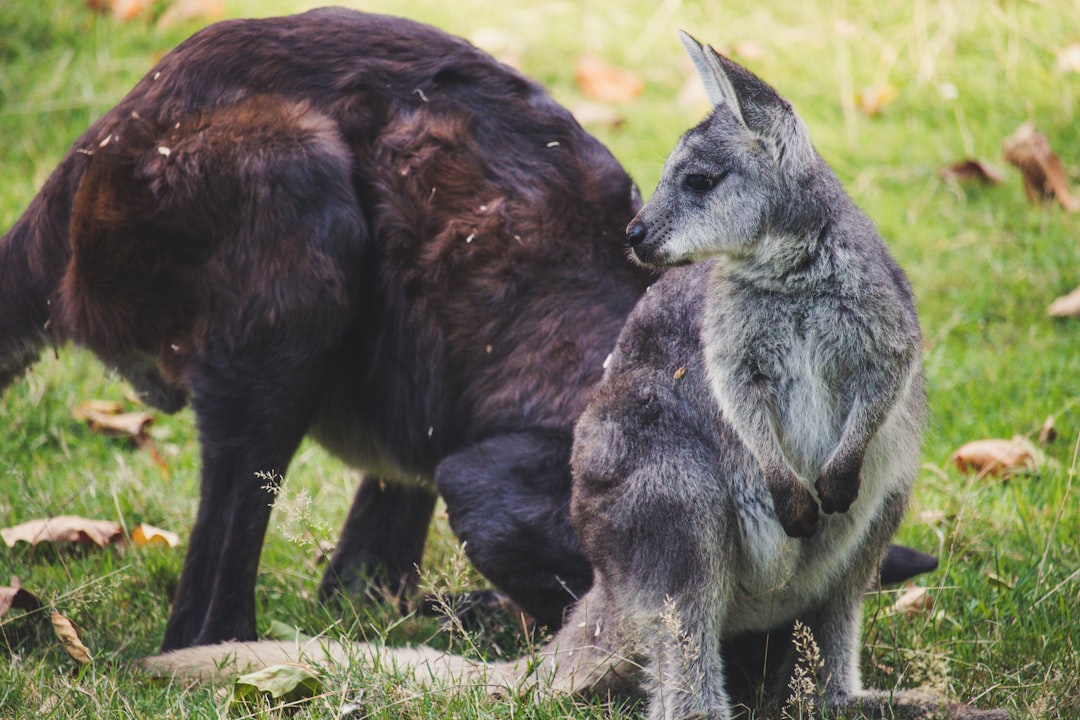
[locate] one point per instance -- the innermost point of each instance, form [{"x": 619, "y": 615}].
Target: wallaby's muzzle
[{"x": 644, "y": 248}]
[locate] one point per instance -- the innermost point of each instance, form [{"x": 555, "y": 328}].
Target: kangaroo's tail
[
  {"x": 33, "y": 255},
  {"x": 420, "y": 666}
]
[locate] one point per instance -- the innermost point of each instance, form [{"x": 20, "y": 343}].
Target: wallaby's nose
[{"x": 635, "y": 233}]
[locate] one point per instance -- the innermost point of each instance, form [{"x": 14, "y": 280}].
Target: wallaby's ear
[
  {"x": 717, "y": 85},
  {"x": 758, "y": 107}
]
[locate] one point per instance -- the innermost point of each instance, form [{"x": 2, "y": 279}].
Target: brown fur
[{"x": 359, "y": 228}]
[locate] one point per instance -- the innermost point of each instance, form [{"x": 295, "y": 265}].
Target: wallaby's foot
[
  {"x": 795, "y": 506},
  {"x": 901, "y": 564},
  {"x": 838, "y": 485},
  {"x": 914, "y": 705}
]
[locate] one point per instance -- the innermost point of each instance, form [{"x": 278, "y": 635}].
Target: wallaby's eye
[{"x": 699, "y": 183}]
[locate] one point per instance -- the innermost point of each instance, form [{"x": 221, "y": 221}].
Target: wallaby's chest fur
[
  {"x": 806, "y": 343},
  {"x": 656, "y": 417}
]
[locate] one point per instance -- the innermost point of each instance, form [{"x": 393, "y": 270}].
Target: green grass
[{"x": 984, "y": 264}]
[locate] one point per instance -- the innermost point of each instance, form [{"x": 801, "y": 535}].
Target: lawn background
[{"x": 984, "y": 264}]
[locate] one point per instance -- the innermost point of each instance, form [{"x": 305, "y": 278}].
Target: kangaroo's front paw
[
  {"x": 795, "y": 506},
  {"x": 838, "y": 485}
]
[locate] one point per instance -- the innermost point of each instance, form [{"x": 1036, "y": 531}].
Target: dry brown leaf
[
  {"x": 144, "y": 535},
  {"x": 131, "y": 424},
  {"x": 874, "y": 99},
  {"x": 748, "y": 50},
  {"x": 1068, "y": 59},
  {"x": 128, "y": 10},
  {"x": 1044, "y": 177},
  {"x": 588, "y": 112},
  {"x": 1047, "y": 433},
  {"x": 107, "y": 417},
  {"x": 1066, "y": 305},
  {"x": 14, "y": 596},
  {"x": 914, "y": 601},
  {"x": 692, "y": 95},
  {"x": 995, "y": 457},
  {"x": 69, "y": 638},
  {"x": 85, "y": 409},
  {"x": 182, "y": 11},
  {"x": 845, "y": 28},
  {"x": 504, "y": 46},
  {"x": 972, "y": 170},
  {"x": 63, "y": 528},
  {"x": 604, "y": 82},
  {"x": 930, "y": 517}
]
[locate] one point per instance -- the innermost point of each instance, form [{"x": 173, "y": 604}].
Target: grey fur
[{"x": 782, "y": 372}]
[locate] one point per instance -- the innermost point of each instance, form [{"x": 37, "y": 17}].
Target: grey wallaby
[{"x": 779, "y": 376}]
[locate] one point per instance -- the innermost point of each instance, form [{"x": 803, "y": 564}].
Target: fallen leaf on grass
[
  {"x": 69, "y": 638},
  {"x": 1044, "y": 177},
  {"x": 63, "y": 528},
  {"x": 1047, "y": 433},
  {"x": 588, "y": 112},
  {"x": 144, "y": 535},
  {"x": 182, "y": 11},
  {"x": 15, "y": 597},
  {"x": 748, "y": 50},
  {"x": 504, "y": 46},
  {"x": 85, "y": 409},
  {"x": 113, "y": 422},
  {"x": 602, "y": 81},
  {"x": 1066, "y": 305},
  {"x": 874, "y": 99},
  {"x": 128, "y": 10},
  {"x": 995, "y": 457},
  {"x": 1068, "y": 59},
  {"x": 107, "y": 417},
  {"x": 972, "y": 170},
  {"x": 286, "y": 683},
  {"x": 930, "y": 517},
  {"x": 914, "y": 601}
]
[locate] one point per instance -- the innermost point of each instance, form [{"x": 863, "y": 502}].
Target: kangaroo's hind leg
[
  {"x": 232, "y": 258},
  {"x": 251, "y": 418}
]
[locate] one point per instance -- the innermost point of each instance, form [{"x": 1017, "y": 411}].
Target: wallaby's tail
[{"x": 420, "y": 666}]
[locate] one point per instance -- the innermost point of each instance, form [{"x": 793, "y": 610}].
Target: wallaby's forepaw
[
  {"x": 838, "y": 485},
  {"x": 795, "y": 506}
]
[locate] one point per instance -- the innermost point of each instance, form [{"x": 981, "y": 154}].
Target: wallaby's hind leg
[
  {"x": 507, "y": 498},
  {"x": 382, "y": 541},
  {"x": 687, "y": 678}
]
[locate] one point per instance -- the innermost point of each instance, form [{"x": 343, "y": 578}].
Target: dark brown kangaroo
[{"x": 359, "y": 228}]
